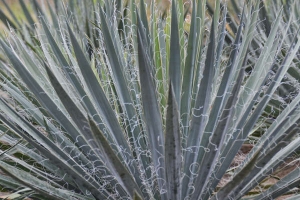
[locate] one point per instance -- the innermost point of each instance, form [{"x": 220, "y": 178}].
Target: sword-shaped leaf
[
  {"x": 152, "y": 115},
  {"x": 175, "y": 62},
  {"x": 113, "y": 162},
  {"x": 173, "y": 159}
]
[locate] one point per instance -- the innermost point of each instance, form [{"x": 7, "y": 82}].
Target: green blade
[
  {"x": 209, "y": 160},
  {"x": 43, "y": 98},
  {"x": 242, "y": 128},
  {"x": 100, "y": 99},
  {"x": 79, "y": 119},
  {"x": 34, "y": 183},
  {"x": 113, "y": 162},
  {"x": 57, "y": 156},
  {"x": 70, "y": 73},
  {"x": 188, "y": 72},
  {"x": 173, "y": 148},
  {"x": 152, "y": 115},
  {"x": 119, "y": 80},
  {"x": 201, "y": 110},
  {"x": 224, "y": 88},
  {"x": 175, "y": 62}
]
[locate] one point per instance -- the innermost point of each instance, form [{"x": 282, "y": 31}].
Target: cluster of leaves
[{"x": 102, "y": 101}]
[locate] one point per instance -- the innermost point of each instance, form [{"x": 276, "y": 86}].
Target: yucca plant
[{"x": 104, "y": 101}]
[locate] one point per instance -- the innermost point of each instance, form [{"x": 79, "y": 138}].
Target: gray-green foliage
[{"x": 107, "y": 101}]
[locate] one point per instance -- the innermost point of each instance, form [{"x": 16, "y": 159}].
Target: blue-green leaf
[{"x": 173, "y": 148}]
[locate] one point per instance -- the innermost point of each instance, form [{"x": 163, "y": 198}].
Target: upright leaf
[
  {"x": 151, "y": 110},
  {"x": 175, "y": 62},
  {"x": 200, "y": 112},
  {"x": 173, "y": 148}
]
